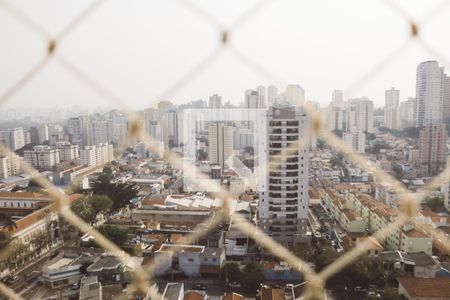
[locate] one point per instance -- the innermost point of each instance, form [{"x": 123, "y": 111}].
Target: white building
[
  {"x": 67, "y": 151},
  {"x": 42, "y": 157},
  {"x": 272, "y": 95},
  {"x": 87, "y": 156},
  {"x": 391, "y": 110},
  {"x": 9, "y": 165},
  {"x": 220, "y": 138},
  {"x": 283, "y": 205},
  {"x": 406, "y": 114},
  {"x": 355, "y": 141},
  {"x": 430, "y": 82},
  {"x": 15, "y": 139},
  {"x": 336, "y": 112},
  {"x": 360, "y": 115},
  {"x": 215, "y": 101}
]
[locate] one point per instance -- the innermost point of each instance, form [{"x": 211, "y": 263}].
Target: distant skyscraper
[
  {"x": 336, "y": 111},
  {"x": 433, "y": 149},
  {"x": 261, "y": 96},
  {"x": 272, "y": 95},
  {"x": 391, "y": 111},
  {"x": 407, "y": 109},
  {"x": 355, "y": 141},
  {"x": 16, "y": 138},
  {"x": 295, "y": 94},
  {"x": 360, "y": 115},
  {"x": 337, "y": 98},
  {"x": 220, "y": 139},
  {"x": 215, "y": 101},
  {"x": 283, "y": 206},
  {"x": 67, "y": 151},
  {"x": 446, "y": 99},
  {"x": 429, "y": 93}
]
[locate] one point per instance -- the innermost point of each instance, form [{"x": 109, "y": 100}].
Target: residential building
[
  {"x": 294, "y": 95},
  {"x": 220, "y": 138},
  {"x": 187, "y": 256},
  {"x": 42, "y": 157},
  {"x": 360, "y": 115},
  {"x": 336, "y": 112},
  {"x": 255, "y": 98},
  {"x": 283, "y": 205},
  {"x": 406, "y": 113},
  {"x": 67, "y": 151},
  {"x": 433, "y": 149},
  {"x": 430, "y": 81},
  {"x": 355, "y": 141},
  {"x": 15, "y": 138},
  {"x": 9, "y": 165},
  {"x": 215, "y": 101},
  {"x": 272, "y": 95},
  {"x": 97, "y": 155},
  {"x": 391, "y": 109}
]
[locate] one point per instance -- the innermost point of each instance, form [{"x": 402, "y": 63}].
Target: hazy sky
[{"x": 139, "y": 48}]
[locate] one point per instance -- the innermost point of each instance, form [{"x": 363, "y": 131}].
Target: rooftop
[
  {"x": 426, "y": 287},
  {"x": 181, "y": 248}
]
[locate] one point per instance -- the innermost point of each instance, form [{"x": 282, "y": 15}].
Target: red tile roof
[{"x": 426, "y": 287}]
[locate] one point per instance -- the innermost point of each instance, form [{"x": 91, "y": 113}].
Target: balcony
[
  {"x": 292, "y": 131},
  {"x": 274, "y": 188},
  {"x": 275, "y": 131},
  {"x": 275, "y": 138},
  {"x": 292, "y": 167},
  {"x": 276, "y": 174},
  {"x": 291, "y": 195},
  {"x": 292, "y": 138},
  {"x": 292, "y": 174},
  {"x": 291, "y": 202},
  {"x": 292, "y": 123},
  {"x": 275, "y": 123},
  {"x": 275, "y": 145},
  {"x": 275, "y": 195}
]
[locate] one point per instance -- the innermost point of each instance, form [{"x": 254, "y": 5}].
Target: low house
[
  {"x": 66, "y": 268},
  {"x": 419, "y": 265},
  {"x": 424, "y": 288},
  {"x": 212, "y": 260},
  {"x": 178, "y": 259}
]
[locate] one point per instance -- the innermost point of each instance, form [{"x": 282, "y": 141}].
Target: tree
[
  {"x": 119, "y": 193},
  {"x": 321, "y": 144},
  {"x": 252, "y": 277},
  {"x": 114, "y": 233},
  {"x": 100, "y": 204},
  {"x": 4, "y": 240},
  {"x": 231, "y": 272},
  {"x": 412, "y": 132},
  {"x": 435, "y": 203},
  {"x": 83, "y": 209}
]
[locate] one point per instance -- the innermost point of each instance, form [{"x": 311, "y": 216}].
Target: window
[
  {"x": 190, "y": 259},
  {"x": 214, "y": 259}
]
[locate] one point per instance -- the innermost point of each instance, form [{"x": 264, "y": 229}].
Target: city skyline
[{"x": 114, "y": 67}]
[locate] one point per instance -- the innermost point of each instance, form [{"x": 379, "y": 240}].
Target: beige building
[
  {"x": 433, "y": 149},
  {"x": 220, "y": 138},
  {"x": 42, "y": 157}
]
